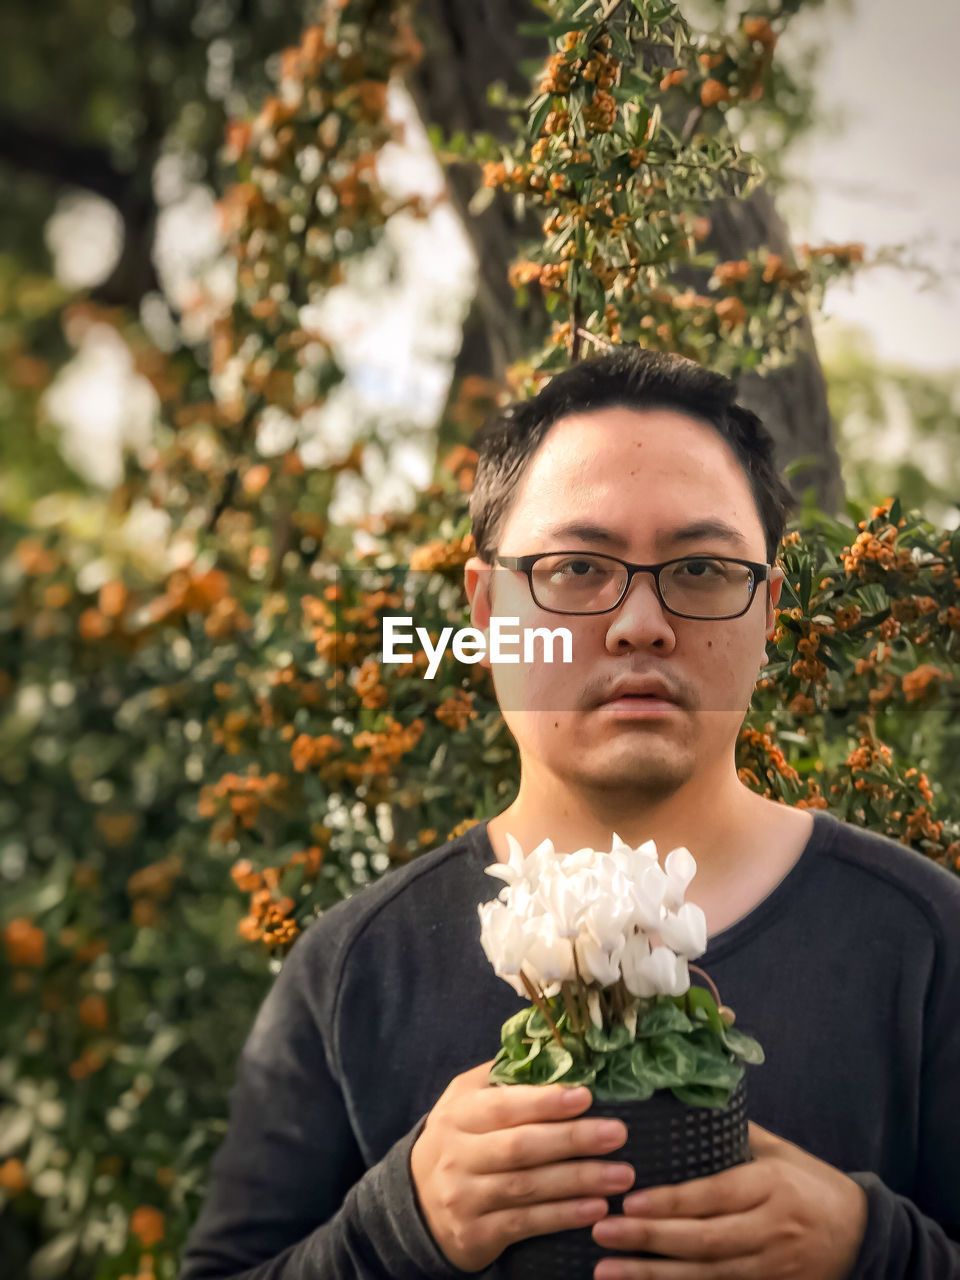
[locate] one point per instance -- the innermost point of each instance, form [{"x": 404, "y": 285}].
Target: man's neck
[{"x": 723, "y": 833}]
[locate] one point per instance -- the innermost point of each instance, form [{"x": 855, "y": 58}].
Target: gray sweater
[{"x": 848, "y": 973}]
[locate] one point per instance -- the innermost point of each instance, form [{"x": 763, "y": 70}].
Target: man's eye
[
  {"x": 699, "y": 568},
  {"x": 576, "y": 568}
]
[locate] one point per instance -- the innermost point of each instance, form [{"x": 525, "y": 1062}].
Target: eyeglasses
[{"x": 577, "y": 582}]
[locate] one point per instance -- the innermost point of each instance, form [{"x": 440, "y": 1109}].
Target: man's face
[{"x": 641, "y": 476}]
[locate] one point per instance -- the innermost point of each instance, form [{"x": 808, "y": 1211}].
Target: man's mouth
[{"x": 638, "y": 704}]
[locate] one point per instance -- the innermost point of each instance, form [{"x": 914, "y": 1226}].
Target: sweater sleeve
[
  {"x": 288, "y": 1195},
  {"x": 918, "y": 1237},
  {"x": 900, "y": 1242}
]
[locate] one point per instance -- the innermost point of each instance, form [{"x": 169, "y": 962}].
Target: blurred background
[
  {"x": 265, "y": 265},
  {"x": 114, "y": 114}
]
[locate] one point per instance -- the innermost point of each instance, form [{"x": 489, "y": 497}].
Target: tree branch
[{"x": 33, "y": 148}]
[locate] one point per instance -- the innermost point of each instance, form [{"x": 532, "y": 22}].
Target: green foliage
[
  {"x": 679, "y": 1043},
  {"x": 201, "y": 747},
  {"x": 623, "y": 145},
  {"x": 897, "y": 428}
]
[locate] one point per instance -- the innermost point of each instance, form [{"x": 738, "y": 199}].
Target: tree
[
  {"x": 149, "y": 95},
  {"x": 450, "y": 88},
  {"x": 212, "y": 717}
]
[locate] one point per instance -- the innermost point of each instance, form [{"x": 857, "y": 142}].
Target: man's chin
[{"x": 625, "y": 777}]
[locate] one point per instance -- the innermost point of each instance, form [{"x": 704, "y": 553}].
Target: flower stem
[
  {"x": 570, "y": 1006},
  {"x": 716, "y": 993},
  {"x": 622, "y": 999},
  {"x": 581, "y": 988},
  {"x": 541, "y": 1004}
]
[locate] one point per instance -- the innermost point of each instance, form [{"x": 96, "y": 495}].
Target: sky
[{"x": 890, "y": 175}]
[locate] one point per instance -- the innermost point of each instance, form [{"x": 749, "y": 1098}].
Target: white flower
[
  {"x": 596, "y": 963},
  {"x": 636, "y": 950},
  {"x": 518, "y": 867},
  {"x": 558, "y": 896},
  {"x": 680, "y": 868},
  {"x": 610, "y": 912},
  {"x": 595, "y": 911},
  {"x": 630, "y": 1018},
  {"x": 579, "y": 860},
  {"x": 685, "y": 931},
  {"x": 647, "y": 895},
  {"x": 513, "y": 870},
  {"x": 503, "y": 938},
  {"x": 661, "y": 972},
  {"x": 549, "y": 957},
  {"x": 593, "y": 1004},
  {"x": 633, "y": 862}
]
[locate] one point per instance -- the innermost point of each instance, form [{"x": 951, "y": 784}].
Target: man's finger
[{"x": 734, "y": 1190}]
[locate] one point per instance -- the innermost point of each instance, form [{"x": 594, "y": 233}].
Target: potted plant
[{"x": 601, "y": 943}]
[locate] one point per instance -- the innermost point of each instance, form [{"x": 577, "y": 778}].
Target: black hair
[{"x": 633, "y": 377}]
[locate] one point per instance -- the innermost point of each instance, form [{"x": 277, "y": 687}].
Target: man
[{"x": 633, "y": 501}]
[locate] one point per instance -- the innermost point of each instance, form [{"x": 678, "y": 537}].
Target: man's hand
[
  {"x": 493, "y": 1165},
  {"x": 785, "y": 1215}
]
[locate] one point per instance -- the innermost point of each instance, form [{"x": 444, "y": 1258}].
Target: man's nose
[{"x": 640, "y": 615}]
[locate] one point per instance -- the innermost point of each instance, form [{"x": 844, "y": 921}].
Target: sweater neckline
[{"x": 720, "y": 944}]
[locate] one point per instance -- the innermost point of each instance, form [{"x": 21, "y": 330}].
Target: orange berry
[{"x": 712, "y": 92}]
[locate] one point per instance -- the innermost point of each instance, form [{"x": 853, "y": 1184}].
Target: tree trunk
[
  {"x": 792, "y": 400},
  {"x": 468, "y": 43}
]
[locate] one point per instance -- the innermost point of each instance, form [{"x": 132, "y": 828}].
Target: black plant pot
[{"x": 667, "y": 1141}]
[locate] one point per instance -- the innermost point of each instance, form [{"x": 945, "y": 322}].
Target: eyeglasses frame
[{"x": 524, "y": 564}]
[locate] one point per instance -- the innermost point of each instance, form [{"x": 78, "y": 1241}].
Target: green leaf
[
  {"x": 621, "y": 45},
  {"x": 53, "y": 1258},
  {"x": 788, "y": 598},
  {"x": 806, "y": 578},
  {"x": 537, "y": 1024},
  {"x": 674, "y": 1054},
  {"x": 481, "y": 199},
  {"x": 744, "y": 1046},
  {"x": 518, "y": 1066},
  {"x": 493, "y": 730},
  {"x": 648, "y": 1070},
  {"x": 701, "y": 998},
  {"x": 661, "y": 1018},
  {"x": 163, "y": 1044},
  {"x": 714, "y": 1067},
  {"x": 552, "y": 1063},
  {"x": 556, "y": 242},
  {"x": 507, "y": 1070},
  {"x": 513, "y": 1031},
  {"x": 539, "y": 115},
  {"x": 604, "y": 1041},
  {"x": 616, "y": 1080},
  {"x": 15, "y": 1128},
  {"x": 582, "y": 169},
  {"x": 662, "y": 12},
  {"x": 558, "y": 28},
  {"x": 702, "y": 1095},
  {"x": 829, "y": 661}
]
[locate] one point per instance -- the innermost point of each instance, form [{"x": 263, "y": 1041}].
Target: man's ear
[{"x": 478, "y": 583}]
